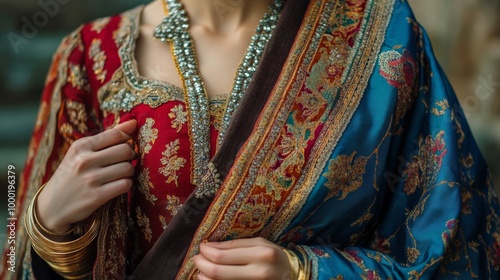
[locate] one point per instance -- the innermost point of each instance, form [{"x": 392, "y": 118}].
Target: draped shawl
[{"x": 349, "y": 143}]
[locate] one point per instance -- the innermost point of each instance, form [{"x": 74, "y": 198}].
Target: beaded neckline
[{"x": 174, "y": 29}]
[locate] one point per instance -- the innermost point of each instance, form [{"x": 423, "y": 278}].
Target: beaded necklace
[{"x": 174, "y": 29}]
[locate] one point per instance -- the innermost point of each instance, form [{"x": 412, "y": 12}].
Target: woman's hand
[
  {"x": 94, "y": 170},
  {"x": 254, "y": 258}
]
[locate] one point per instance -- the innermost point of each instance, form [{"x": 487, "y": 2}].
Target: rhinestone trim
[{"x": 175, "y": 30}]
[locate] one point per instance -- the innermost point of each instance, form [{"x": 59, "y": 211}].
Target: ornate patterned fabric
[{"x": 361, "y": 154}]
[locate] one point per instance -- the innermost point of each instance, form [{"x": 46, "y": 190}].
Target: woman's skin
[{"x": 97, "y": 168}]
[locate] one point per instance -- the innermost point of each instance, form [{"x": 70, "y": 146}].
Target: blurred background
[{"x": 465, "y": 36}]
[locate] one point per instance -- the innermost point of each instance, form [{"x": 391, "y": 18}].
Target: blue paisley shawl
[
  {"x": 405, "y": 194},
  {"x": 367, "y": 162},
  {"x": 361, "y": 158}
]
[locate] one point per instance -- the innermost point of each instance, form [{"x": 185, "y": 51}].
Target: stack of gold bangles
[
  {"x": 300, "y": 270},
  {"x": 73, "y": 259}
]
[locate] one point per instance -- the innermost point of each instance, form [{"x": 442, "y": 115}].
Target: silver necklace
[{"x": 174, "y": 29}]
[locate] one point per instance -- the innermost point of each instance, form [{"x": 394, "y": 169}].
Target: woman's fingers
[
  {"x": 220, "y": 272},
  {"x": 104, "y": 175},
  {"x": 114, "y": 154},
  {"x": 117, "y": 135},
  {"x": 95, "y": 170},
  {"x": 112, "y": 190},
  {"x": 127, "y": 127},
  {"x": 238, "y": 243},
  {"x": 252, "y": 258},
  {"x": 239, "y": 256}
]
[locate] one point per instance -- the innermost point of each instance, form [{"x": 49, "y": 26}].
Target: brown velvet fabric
[{"x": 167, "y": 255}]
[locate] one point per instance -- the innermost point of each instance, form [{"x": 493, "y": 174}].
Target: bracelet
[
  {"x": 294, "y": 264},
  {"x": 73, "y": 259},
  {"x": 305, "y": 272},
  {"x": 299, "y": 269}
]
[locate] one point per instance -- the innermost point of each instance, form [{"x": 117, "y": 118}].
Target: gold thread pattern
[
  {"x": 99, "y": 57},
  {"x": 171, "y": 162}
]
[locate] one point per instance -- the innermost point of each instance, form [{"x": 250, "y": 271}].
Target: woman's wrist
[
  {"x": 47, "y": 226},
  {"x": 71, "y": 259}
]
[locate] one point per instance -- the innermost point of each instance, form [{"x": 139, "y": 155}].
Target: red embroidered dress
[
  {"x": 349, "y": 148},
  {"x": 93, "y": 85}
]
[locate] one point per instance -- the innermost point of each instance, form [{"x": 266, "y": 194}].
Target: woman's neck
[{"x": 224, "y": 16}]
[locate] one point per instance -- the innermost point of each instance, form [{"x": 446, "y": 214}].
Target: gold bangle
[
  {"x": 73, "y": 259},
  {"x": 295, "y": 265},
  {"x": 305, "y": 271}
]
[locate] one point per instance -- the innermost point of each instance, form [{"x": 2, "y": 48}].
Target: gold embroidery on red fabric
[
  {"x": 147, "y": 137},
  {"x": 143, "y": 222},
  {"x": 112, "y": 241},
  {"x": 145, "y": 186},
  {"x": 171, "y": 162},
  {"x": 77, "y": 77},
  {"x": 120, "y": 96},
  {"x": 98, "y": 25},
  {"x": 99, "y": 57},
  {"x": 40, "y": 152},
  {"x": 66, "y": 131},
  {"x": 77, "y": 115},
  {"x": 173, "y": 204},
  {"x": 42, "y": 116},
  {"x": 178, "y": 116},
  {"x": 163, "y": 222}
]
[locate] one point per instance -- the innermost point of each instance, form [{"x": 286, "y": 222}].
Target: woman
[{"x": 337, "y": 151}]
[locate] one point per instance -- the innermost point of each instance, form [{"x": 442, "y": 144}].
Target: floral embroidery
[
  {"x": 173, "y": 204},
  {"x": 466, "y": 197},
  {"x": 352, "y": 255},
  {"x": 216, "y": 111},
  {"x": 449, "y": 234},
  {"x": 171, "y": 162},
  {"x": 99, "y": 58},
  {"x": 441, "y": 107},
  {"x": 423, "y": 168},
  {"x": 143, "y": 222},
  {"x": 145, "y": 186},
  {"x": 345, "y": 175},
  {"x": 412, "y": 254},
  {"x": 259, "y": 206},
  {"x": 400, "y": 70},
  {"x": 178, "y": 116},
  {"x": 98, "y": 25},
  {"x": 77, "y": 77},
  {"x": 320, "y": 253},
  {"x": 494, "y": 252},
  {"x": 77, "y": 115},
  {"x": 371, "y": 275},
  {"x": 163, "y": 222},
  {"x": 118, "y": 95},
  {"x": 147, "y": 136}
]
